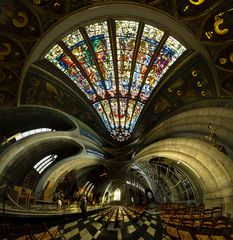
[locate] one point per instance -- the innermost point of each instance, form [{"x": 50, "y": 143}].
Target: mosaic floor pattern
[{"x": 145, "y": 227}]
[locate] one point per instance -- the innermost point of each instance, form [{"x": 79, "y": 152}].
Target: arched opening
[{"x": 117, "y": 195}]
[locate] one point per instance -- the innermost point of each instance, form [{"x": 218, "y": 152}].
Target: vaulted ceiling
[
  {"x": 30, "y": 28},
  {"x": 148, "y": 77}
]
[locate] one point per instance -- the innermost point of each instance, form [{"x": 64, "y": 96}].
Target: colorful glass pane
[
  {"x": 108, "y": 112},
  {"x": 114, "y": 106},
  {"x": 123, "y": 105},
  {"x": 129, "y": 113},
  {"x": 82, "y": 53},
  {"x": 98, "y": 34},
  {"x": 149, "y": 42},
  {"x": 75, "y": 75},
  {"x": 117, "y": 101},
  {"x": 73, "y": 40},
  {"x": 62, "y": 61},
  {"x": 137, "y": 112},
  {"x": 126, "y": 33},
  {"x": 102, "y": 114},
  {"x": 170, "y": 52}
]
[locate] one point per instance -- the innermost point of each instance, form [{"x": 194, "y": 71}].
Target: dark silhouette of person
[{"x": 83, "y": 206}]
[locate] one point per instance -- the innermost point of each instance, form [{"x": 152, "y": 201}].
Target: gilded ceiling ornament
[
  {"x": 5, "y": 52},
  {"x": 209, "y": 34},
  {"x": 21, "y": 20},
  {"x": 217, "y": 23},
  {"x": 203, "y": 93},
  {"x": 194, "y": 73},
  {"x": 37, "y": 2},
  {"x": 222, "y": 60},
  {"x": 57, "y": 4},
  {"x": 186, "y": 8},
  {"x": 197, "y": 2},
  {"x": 170, "y": 90}
]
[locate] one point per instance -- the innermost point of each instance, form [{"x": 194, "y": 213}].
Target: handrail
[
  {"x": 13, "y": 201},
  {"x": 7, "y": 194}
]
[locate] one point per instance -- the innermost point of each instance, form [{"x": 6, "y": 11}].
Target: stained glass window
[{"x": 117, "y": 65}]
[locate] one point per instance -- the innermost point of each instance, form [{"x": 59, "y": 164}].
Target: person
[{"x": 83, "y": 206}]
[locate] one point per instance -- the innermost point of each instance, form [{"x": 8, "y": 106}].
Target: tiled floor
[{"x": 145, "y": 227}]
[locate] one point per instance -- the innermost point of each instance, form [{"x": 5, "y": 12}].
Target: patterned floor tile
[{"x": 146, "y": 226}]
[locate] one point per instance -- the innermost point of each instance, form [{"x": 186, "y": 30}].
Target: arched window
[
  {"x": 45, "y": 162},
  {"x": 117, "y": 195}
]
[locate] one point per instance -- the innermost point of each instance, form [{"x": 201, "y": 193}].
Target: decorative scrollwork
[
  {"x": 219, "y": 27},
  {"x": 225, "y": 58},
  {"x": 5, "y": 50},
  {"x": 217, "y": 24},
  {"x": 37, "y": 2},
  {"x": 194, "y": 73},
  {"x": 21, "y": 20},
  {"x": 196, "y": 2}
]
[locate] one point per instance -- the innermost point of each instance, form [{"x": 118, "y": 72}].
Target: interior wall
[
  {"x": 49, "y": 181},
  {"x": 194, "y": 122},
  {"x": 212, "y": 168}
]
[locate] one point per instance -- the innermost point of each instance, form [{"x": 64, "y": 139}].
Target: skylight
[
  {"x": 31, "y": 132},
  {"x": 117, "y": 65},
  {"x": 44, "y": 163}
]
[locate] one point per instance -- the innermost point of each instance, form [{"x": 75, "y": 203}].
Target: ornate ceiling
[{"x": 204, "y": 73}]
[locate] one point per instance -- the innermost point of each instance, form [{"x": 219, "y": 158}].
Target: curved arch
[
  {"x": 123, "y": 9},
  {"x": 211, "y": 167},
  {"x": 183, "y": 124},
  {"x": 19, "y": 156},
  {"x": 50, "y": 179},
  {"x": 31, "y": 117},
  {"x": 117, "y": 195}
]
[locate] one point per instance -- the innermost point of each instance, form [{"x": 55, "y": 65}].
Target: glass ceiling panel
[
  {"x": 123, "y": 105},
  {"x": 136, "y": 114},
  {"x": 62, "y": 61},
  {"x": 150, "y": 40},
  {"x": 101, "y": 112},
  {"x": 126, "y": 33},
  {"x": 86, "y": 57},
  {"x": 108, "y": 112},
  {"x": 171, "y": 50},
  {"x": 128, "y": 116},
  {"x": 98, "y": 34},
  {"x": 114, "y": 105}
]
